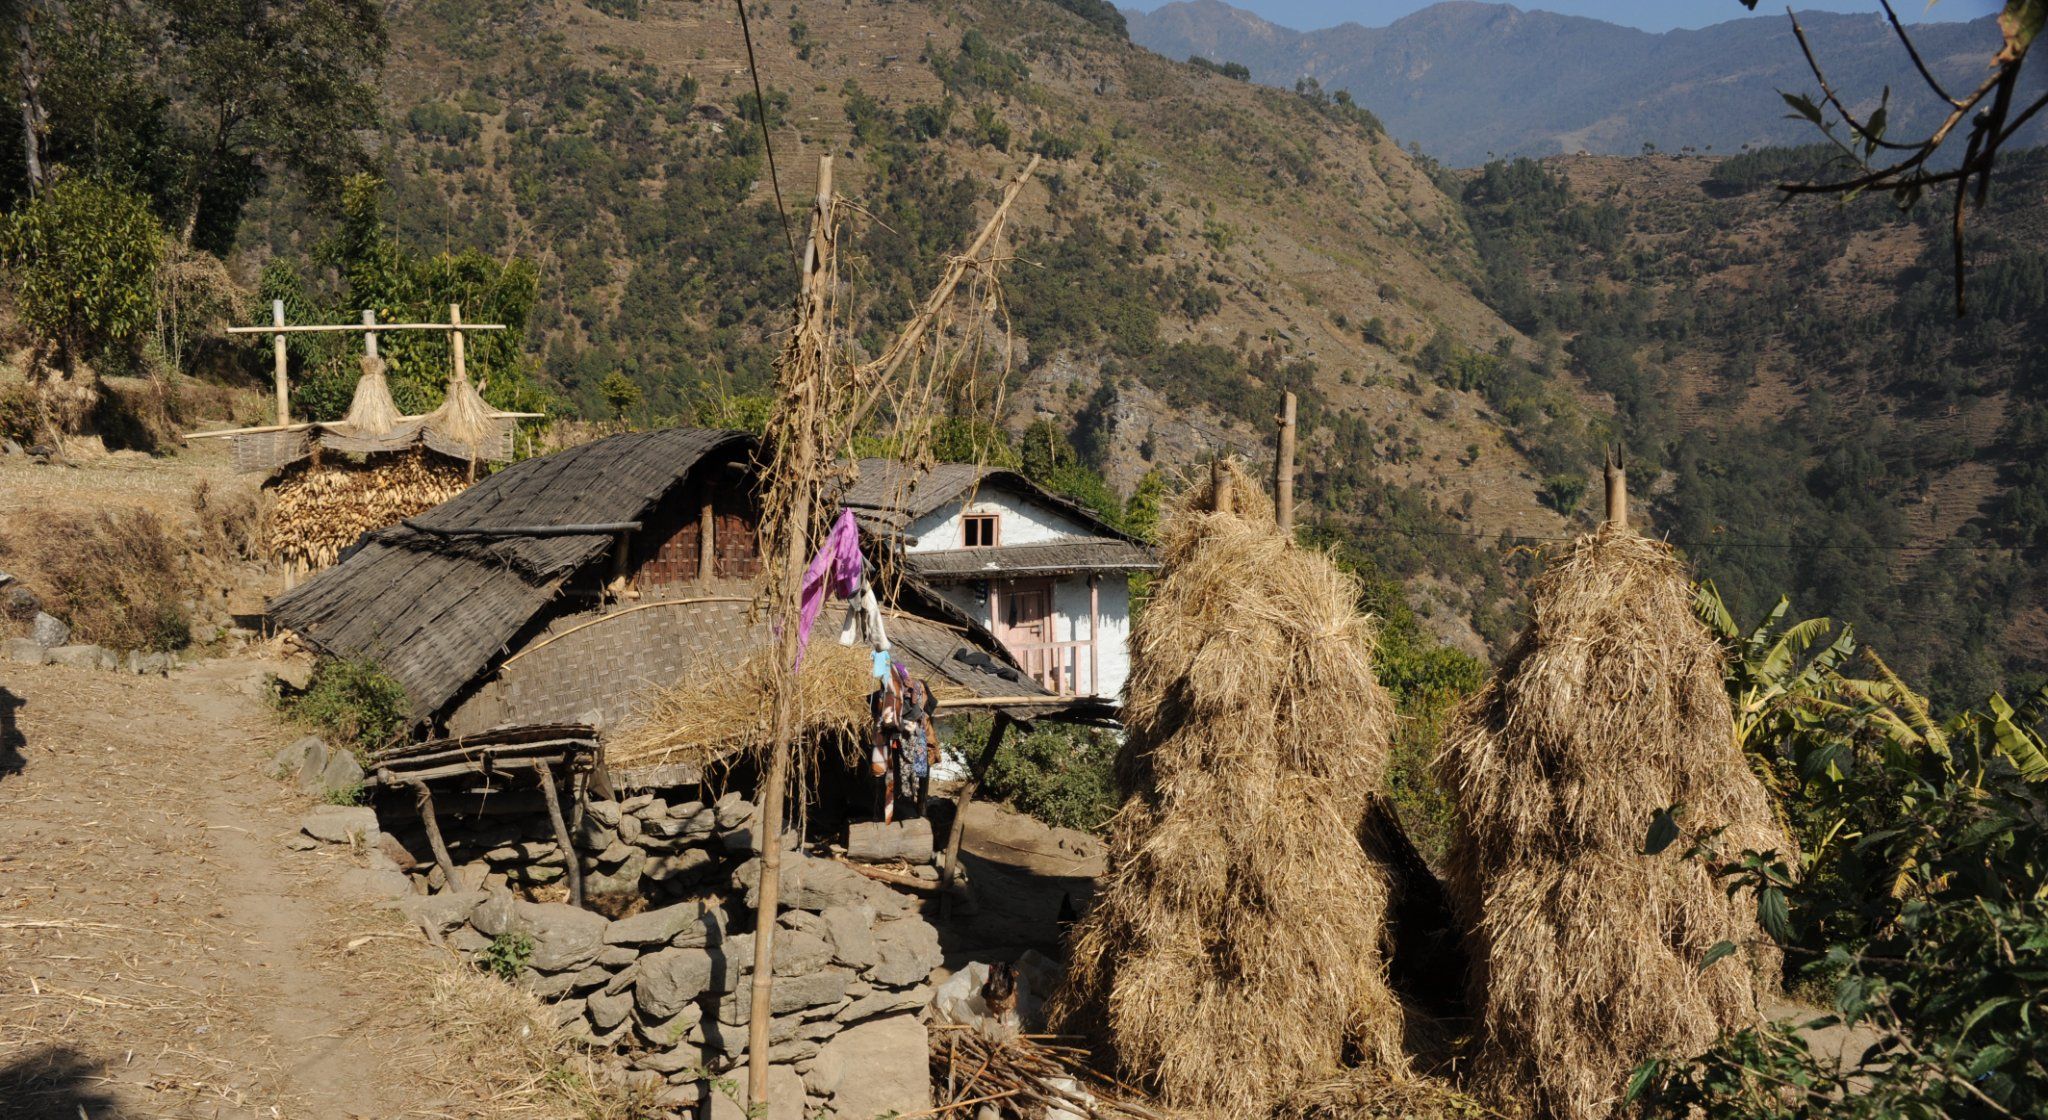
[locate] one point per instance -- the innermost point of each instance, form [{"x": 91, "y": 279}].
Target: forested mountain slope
[
  {"x": 1469, "y": 81},
  {"x": 1821, "y": 423},
  {"x": 1192, "y": 244}
]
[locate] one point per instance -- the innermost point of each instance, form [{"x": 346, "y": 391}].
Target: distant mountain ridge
[{"x": 1469, "y": 80}]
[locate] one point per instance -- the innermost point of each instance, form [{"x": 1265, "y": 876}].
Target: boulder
[
  {"x": 671, "y": 979},
  {"x": 785, "y": 1097},
  {"x": 734, "y": 810},
  {"x": 341, "y": 824},
  {"x": 685, "y": 923},
  {"x": 339, "y": 774},
  {"x": 495, "y": 917},
  {"x": 791, "y": 993},
  {"x": 18, "y": 602},
  {"x": 565, "y": 937},
  {"x": 299, "y": 756},
  {"x": 882, "y": 1003},
  {"x": 680, "y": 867},
  {"x": 623, "y": 878},
  {"x": 609, "y": 1009},
  {"x": 48, "y": 630},
  {"x": 605, "y": 813},
  {"x": 393, "y": 886},
  {"x": 77, "y": 657},
  {"x": 851, "y": 929},
  {"x": 149, "y": 664},
  {"x": 907, "y": 950},
  {"x": 797, "y": 952},
  {"x": 439, "y": 914},
  {"x": 885, "y": 1068},
  {"x": 812, "y": 884},
  {"x": 26, "y": 651},
  {"x": 887, "y": 842}
]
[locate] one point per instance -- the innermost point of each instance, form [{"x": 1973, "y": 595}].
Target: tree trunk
[{"x": 32, "y": 115}]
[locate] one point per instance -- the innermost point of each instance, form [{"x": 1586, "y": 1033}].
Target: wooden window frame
[{"x": 995, "y": 529}]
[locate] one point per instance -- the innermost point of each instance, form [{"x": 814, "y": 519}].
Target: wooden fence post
[{"x": 1283, "y": 470}]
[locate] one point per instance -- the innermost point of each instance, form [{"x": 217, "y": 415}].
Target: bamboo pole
[
  {"x": 455, "y": 340},
  {"x": 369, "y": 333},
  {"x": 572, "y": 863},
  {"x": 816, "y": 253},
  {"x": 1617, "y": 491},
  {"x": 284, "y": 400},
  {"x": 432, "y": 823},
  {"x": 1283, "y": 470},
  {"x": 329, "y": 328}
]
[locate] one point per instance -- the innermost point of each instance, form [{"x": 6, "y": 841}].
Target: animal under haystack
[
  {"x": 1234, "y": 951},
  {"x": 1587, "y": 952}
]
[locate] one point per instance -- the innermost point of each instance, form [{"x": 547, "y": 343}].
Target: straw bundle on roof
[
  {"x": 371, "y": 412},
  {"x": 465, "y": 424},
  {"x": 320, "y": 508},
  {"x": 1233, "y": 953},
  {"x": 1587, "y": 952},
  {"x": 712, "y": 715}
]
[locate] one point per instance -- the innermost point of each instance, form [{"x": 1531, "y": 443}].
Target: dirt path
[{"x": 163, "y": 953}]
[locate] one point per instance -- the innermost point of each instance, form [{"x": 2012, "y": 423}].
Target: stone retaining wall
[{"x": 665, "y": 986}]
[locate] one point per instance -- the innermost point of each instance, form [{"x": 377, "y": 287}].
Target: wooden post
[
  {"x": 1094, "y": 646},
  {"x": 284, "y": 397},
  {"x": 1283, "y": 470},
  {"x": 816, "y": 253},
  {"x": 369, "y": 334},
  {"x": 707, "y": 543},
  {"x": 1219, "y": 484},
  {"x": 1617, "y": 491},
  {"x": 968, "y": 789},
  {"x": 432, "y": 822},
  {"x": 572, "y": 863},
  {"x": 455, "y": 340}
]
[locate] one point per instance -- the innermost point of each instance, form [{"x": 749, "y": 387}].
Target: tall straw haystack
[
  {"x": 1587, "y": 952},
  {"x": 1234, "y": 951}
]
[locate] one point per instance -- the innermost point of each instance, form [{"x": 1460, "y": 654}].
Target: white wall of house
[
  {"x": 1026, "y": 522},
  {"x": 1022, "y": 522}
]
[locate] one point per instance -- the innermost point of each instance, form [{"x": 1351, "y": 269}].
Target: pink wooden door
[{"x": 1025, "y": 627}]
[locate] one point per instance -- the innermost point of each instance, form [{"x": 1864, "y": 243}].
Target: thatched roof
[{"x": 434, "y": 610}]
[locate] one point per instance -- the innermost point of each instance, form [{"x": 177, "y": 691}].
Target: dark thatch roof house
[
  {"x": 1047, "y": 577},
  {"x": 561, "y": 588}
]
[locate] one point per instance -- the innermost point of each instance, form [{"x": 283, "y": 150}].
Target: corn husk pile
[
  {"x": 1586, "y": 952},
  {"x": 1234, "y": 951},
  {"x": 319, "y": 508}
]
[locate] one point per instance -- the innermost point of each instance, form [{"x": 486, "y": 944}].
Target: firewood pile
[{"x": 1023, "y": 1077}]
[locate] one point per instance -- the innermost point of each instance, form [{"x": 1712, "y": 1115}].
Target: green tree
[
  {"x": 82, "y": 260},
  {"x": 620, "y": 393},
  {"x": 197, "y": 102}
]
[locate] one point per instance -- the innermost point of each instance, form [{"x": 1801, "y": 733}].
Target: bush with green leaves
[
  {"x": 354, "y": 701},
  {"x": 1918, "y": 901},
  {"x": 1062, "y": 775},
  {"x": 506, "y": 956},
  {"x": 82, "y": 259}
]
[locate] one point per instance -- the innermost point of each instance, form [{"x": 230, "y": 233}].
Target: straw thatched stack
[
  {"x": 371, "y": 411},
  {"x": 1587, "y": 952},
  {"x": 1233, "y": 954},
  {"x": 319, "y": 508}
]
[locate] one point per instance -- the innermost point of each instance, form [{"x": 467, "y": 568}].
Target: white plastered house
[{"x": 1049, "y": 577}]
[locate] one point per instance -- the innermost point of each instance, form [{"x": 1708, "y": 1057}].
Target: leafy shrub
[
  {"x": 506, "y": 955},
  {"x": 1918, "y": 902},
  {"x": 116, "y": 577},
  {"x": 354, "y": 701},
  {"x": 84, "y": 257},
  {"x": 18, "y": 412},
  {"x": 1063, "y": 776}
]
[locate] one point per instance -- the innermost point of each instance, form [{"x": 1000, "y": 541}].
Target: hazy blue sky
[{"x": 1651, "y": 15}]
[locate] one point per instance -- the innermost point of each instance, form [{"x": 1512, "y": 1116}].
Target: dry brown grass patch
[{"x": 117, "y": 577}]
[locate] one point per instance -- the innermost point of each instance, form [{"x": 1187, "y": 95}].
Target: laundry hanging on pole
[{"x": 836, "y": 570}]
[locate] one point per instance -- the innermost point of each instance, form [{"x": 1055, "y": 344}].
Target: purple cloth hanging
[{"x": 835, "y": 570}]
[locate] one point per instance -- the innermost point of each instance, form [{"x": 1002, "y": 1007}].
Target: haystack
[
  {"x": 1587, "y": 953},
  {"x": 371, "y": 411},
  {"x": 1234, "y": 951}
]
